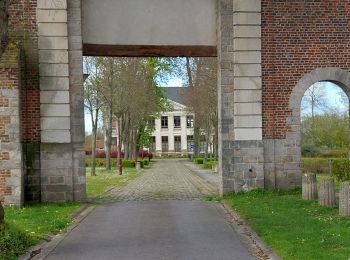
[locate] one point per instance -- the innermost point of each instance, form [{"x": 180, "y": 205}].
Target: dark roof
[{"x": 176, "y": 94}]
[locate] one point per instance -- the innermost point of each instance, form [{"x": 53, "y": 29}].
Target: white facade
[{"x": 171, "y": 131}]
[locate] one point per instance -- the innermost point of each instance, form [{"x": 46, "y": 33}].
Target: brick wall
[
  {"x": 298, "y": 36},
  {"x": 23, "y": 29}
]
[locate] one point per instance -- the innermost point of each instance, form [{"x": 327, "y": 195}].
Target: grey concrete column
[
  {"x": 240, "y": 99},
  {"x": 77, "y": 97},
  {"x": 62, "y": 113}
]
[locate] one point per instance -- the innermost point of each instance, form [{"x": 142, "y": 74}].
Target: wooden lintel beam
[{"x": 148, "y": 51}]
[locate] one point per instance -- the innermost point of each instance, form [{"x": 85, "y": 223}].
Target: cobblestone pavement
[{"x": 166, "y": 179}]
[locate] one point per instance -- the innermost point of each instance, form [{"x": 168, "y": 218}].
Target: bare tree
[{"x": 93, "y": 104}]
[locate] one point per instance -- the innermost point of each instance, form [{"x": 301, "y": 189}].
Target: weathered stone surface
[
  {"x": 326, "y": 196},
  {"x": 309, "y": 188},
  {"x": 344, "y": 199}
]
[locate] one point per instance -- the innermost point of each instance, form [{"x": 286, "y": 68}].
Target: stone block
[
  {"x": 247, "y": 109},
  {"x": 248, "y": 121},
  {"x": 247, "y": 96},
  {"x": 251, "y": 44},
  {"x": 51, "y": 16},
  {"x": 246, "y": 31},
  {"x": 53, "y": 56},
  {"x": 54, "y": 70},
  {"x": 52, "y": 4},
  {"x": 52, "y": 29},
  {"x": 247, "y": 18},
  {"x": 56, "y": 180},
  {"x": 55, "y": 136},
  {"x": 247, "y": 57},
  {"x": 247, "y": 6},
  {"x": 54, "y": 97},
  {"x": 55, "y": 110},
  {"x": 248, "y": 83},
  {"x": 54, "y": 83},
  {"x": 53, "y": 43},
  {"x": 248, "y": 134},
  {"x": 55, "y": 123},
  {"x": 247, "y": 70}
]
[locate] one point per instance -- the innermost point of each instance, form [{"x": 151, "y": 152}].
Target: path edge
[
  {"x": 250, "y": 238},
  {"x": 44, "y": 248}
]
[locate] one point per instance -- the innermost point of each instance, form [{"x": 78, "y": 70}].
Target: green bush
[
  {"x": 198, "y": 160},
  {"x": 209, "y": 164},
  {"x": 145, "y": 162},
  {"x": 310, "y": 150},
  {"x": 101, "y": 163},
  {"x": 128, "y": 163},
  {"x": 340, "y": 169},
  {"x": 316, "y": 165}
]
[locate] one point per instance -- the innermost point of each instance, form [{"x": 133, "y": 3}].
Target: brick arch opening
[{"x": 337, "y": 76}]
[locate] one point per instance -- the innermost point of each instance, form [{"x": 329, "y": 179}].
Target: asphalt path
[{"x": 153, "y": 230}]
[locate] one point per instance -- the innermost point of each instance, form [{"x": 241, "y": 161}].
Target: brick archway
[{"x": 335, "y": 75}]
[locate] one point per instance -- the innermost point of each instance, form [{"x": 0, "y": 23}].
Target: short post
[
  {"x": 215, "y": 167},
  {"x": 344, "y": 199},
  {"x": 309, "y": 186},
  {"x": 138, "y": 165},
  {"x": 326, "y": 196}
]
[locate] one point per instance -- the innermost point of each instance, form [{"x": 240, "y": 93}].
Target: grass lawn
[
  {"x": 294, "y": 228},
  {"x": 97, "y": 185},
  {"x": 28, "y": 225}
]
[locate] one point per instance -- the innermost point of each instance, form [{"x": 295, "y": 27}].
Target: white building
[{"x": 173, "y": 132}]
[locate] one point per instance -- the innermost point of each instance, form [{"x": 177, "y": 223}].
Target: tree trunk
[
  {"x": 196, "y": 140},
  {"x": 309, "y": 186},
  {"x": 327, "y": 193},
  {"x": 344, "y": 199},
  {"x": 108, "y": 140},
  {"x": 93, "y": 151},
  {"x": 119, "y": 144}
]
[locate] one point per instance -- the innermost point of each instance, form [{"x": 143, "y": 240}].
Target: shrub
[
  {"x": 198, "y": 160},
  {"x": 316, "y": 165},
  {"x": 100, "y": 162},
  {"x": 209, "y": 164},
  {"x": 340, "y": 169},
  {"x": 128, "y": 163},
  {"x": 310, "y": 150}
]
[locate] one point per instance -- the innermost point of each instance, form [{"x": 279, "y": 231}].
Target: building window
[
  {"x": 190, "y": 121},
  {"x": 177, "y": 122},
  {"x": 165, "y": 144},
  {"x": 164, "y": 122},
  {"x": 190, "y": 143},
  {"x": 177, "y": 143},
  {"x": 152, "y": 144}
]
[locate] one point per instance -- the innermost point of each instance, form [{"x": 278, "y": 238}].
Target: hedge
[
  {"x": 340, "y": 169},
  {"x": 198, "y": 160},
  {"x": 102, "y": 163},
  {"x": 209, "y": 164}
]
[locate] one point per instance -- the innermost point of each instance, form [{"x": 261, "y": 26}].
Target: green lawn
[
  {"x": 97, "y": 185},
  {"x": 28, "y": 225},
  {"x": 294, "y": 228}
]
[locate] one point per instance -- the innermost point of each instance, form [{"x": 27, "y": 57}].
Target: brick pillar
[{"x": 11, "y": 168}]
